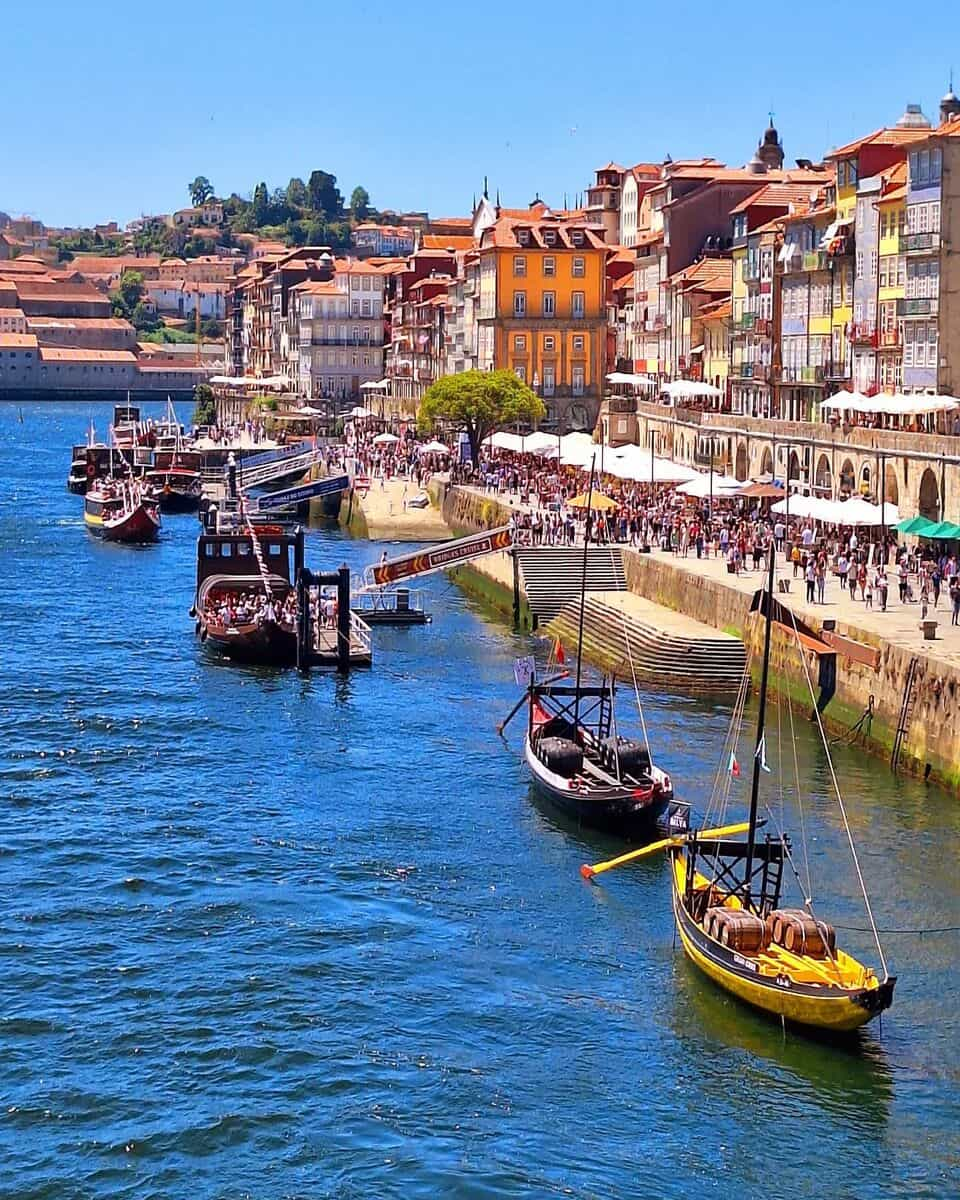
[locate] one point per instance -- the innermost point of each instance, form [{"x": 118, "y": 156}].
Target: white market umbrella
[
  {"x": 360, "y": 411},
  {"x": 700, "y": 487},
  {"x": 385, "y": 439},
  {"x": 435, "y": 448},
  {"x": 685, "y": 389}
]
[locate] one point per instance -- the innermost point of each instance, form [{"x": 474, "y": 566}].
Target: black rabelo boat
[
  {"x": 245, "y": 599},
  {"x": 581, "y": 765}
]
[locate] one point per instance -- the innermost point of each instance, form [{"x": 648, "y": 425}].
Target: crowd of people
[
  {"x": 250, "y": 607},
  {"x": 739, "y": 530}
]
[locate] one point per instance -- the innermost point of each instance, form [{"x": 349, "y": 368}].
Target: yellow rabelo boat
[{"x": 727, "y": 908}]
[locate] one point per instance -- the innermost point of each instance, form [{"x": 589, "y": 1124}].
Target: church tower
[{"x": 770, "y": 150}]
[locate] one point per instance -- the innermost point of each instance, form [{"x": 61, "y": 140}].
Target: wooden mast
[
  {"x": 583, "y": 590},
  {"x": 758, "y": 753}
]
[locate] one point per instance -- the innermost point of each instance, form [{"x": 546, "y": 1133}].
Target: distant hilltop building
[{"x": 382, "y": 241}]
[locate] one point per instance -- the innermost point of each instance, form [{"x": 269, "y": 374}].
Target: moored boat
[
  {"x": 729, "y": 908},
  {"x": 579, "y": 762},
  {"x": 176, "y": 489},
  {"x": 245, "y": 599},
  {"x": 118, "y": 511}
]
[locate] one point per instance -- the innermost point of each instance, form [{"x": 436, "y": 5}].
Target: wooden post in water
[
  {"x": 516, "y": 588},
  {"x": 343, "y": 619}
]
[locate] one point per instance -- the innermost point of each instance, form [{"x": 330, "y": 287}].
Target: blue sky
[{"x": 112, "y": 108}]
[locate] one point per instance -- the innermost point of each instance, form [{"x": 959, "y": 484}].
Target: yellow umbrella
[{"x": 600, "y": 501}]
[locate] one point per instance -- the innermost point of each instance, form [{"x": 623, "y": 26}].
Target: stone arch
[
  {"x": 929, "y": 496},
  {"x": 847, "y": 479},
  {"x": 823, "y": 478},
  {"x": 766, "y": 463},
  {"x": 793, "y": 466},
  {"x": 891, "y": 490},
  {"x": 865, "y": 479},
  {"x": 741, "y": 465}
]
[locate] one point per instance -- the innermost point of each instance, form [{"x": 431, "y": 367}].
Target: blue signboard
[{"x": 288, "y": 497}]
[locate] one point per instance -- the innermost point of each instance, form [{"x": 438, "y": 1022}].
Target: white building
[{"x": 334, "y": 341}]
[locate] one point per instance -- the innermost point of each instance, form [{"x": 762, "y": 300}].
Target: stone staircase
[
  {"x": 611, "y": 637},
  {"x": 552, "y": 575}
]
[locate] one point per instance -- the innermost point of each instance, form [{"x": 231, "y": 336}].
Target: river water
[{"x": 278, "y": 937}]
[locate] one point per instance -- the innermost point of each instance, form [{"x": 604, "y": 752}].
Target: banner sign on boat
[
  {"x": 447, "y": 555},
  {"x": 306, "y": 491}
]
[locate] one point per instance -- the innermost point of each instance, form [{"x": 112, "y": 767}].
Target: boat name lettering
[{"x": 745, "y": 962}]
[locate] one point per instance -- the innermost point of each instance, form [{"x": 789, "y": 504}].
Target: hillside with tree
[{"x": 311, "y": 212}]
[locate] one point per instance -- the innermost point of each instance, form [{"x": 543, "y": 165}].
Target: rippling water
[{"x": 273, "y": 937}]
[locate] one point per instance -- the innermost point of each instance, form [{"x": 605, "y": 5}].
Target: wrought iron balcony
[
  {"x": 918, "y": 306},
  {"x": 919, "y": 243}
]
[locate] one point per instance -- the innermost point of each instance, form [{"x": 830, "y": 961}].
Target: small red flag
[
  {"x": 558, "y": 654},
  {"x": 734, "y": 766}
]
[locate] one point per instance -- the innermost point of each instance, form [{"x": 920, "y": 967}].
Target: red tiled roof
[
  {"x": 72, "y": 354},
  {"x": 438, "y": 241},
  {"x": 18, "y": 341},
  {"x": 879, "y": 137},
  {"x": 716, "y": 310},
  {"x": 776, "y": 195},
  {"x": 503, "y": 235}
]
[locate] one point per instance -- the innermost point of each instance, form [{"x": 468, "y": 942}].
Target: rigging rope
[{"x": 843, "y": 811}]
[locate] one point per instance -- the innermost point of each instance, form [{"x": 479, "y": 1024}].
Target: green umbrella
[
  {"x": 944, "y": 530},
  {"x": 917, "y": 525}
]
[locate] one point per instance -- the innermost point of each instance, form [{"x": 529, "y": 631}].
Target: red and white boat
[{"x": 118, "y": 511}]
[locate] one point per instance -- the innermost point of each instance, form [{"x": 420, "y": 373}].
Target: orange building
[{"x": 542, "y": 311}]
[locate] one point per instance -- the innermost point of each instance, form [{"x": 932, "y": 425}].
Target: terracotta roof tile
[
  {"x": 18, "y": 341},
  {"x": 72, "y": 354},
  {"x": 879, "y": 137}
]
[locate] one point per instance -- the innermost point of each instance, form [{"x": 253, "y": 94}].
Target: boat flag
[
  {"x": 734, "y": 766},
  {"x": 762, "y": 754},
  {"x": 558, "y": 654},
  {"x": 524, "y": 670}
]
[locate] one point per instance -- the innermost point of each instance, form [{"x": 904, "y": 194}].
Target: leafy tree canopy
[
  {"x": 297, "y": 193},
  {"x": 204, "y": 405},
  {"x": 200, "y": 190},
  {"x": 360, "y": 203},
  {"x": 323, "y": 194},
  {"x": 479, "y": 402}
]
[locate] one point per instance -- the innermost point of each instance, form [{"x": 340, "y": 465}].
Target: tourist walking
[
  {"x": 843, "y": 566},
  {"x": 883, "y": 586},
  {"x": 955, "y": 600},
  {"x": 810, "y": 574}
]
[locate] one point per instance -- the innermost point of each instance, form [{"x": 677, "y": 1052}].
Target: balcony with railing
[
  {"x": 744, "y": 322},
  {"x": 918, "y": 306},
  {"x": 863, "y": 333},
  {"x": 814, "y": 260},
  {"x": 890, "y": 339},
  {"x": 919, "y": 243}
]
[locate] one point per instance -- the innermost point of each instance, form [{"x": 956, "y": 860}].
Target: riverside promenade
[{"x": 384, "y": 513}]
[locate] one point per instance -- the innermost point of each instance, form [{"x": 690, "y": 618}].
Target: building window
[
  {"x": 520, "y": 342},
  {"x": 578, "y": 376},
  {"x": 519, "y": 264},
  {"x": 549, "y": 343},
  {"x": 519, "y": 304},
  {"x": 549, "y": 237},
  {"x": 578, "y": 343},
  {"x": 549, "y": 380},
  {"x": 523, "y": 237},
  {"x": 579, "y": 267},
  {"x": 366, "y": 308},
  {"x": 549, "y": 265},
  {"x": 520, "y": 371},
  {"x": 576, "y": 236},
  {"x": 577, "y": 306},
  {"x": 549, "y": 304}
]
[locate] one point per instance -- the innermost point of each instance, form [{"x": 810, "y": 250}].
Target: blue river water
[{"x": 272, "y": 936}]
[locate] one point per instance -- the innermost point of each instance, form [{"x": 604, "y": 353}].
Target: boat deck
[{"x": 325, "y": 650}]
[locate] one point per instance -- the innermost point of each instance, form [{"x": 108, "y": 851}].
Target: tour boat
[
  {"x": 729, "y": 908},
  {"x": 240, "y": 567},
  {"x": 118, "y": 511},
  {"x": 581, "y": 765},
  {"x": 177, "y": 489}
]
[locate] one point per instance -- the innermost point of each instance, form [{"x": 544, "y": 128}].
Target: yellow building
[
  {"x": 716, "y": 342},
  {"x": 542, "y": 310},
  {"x": 892, "y": 209}
]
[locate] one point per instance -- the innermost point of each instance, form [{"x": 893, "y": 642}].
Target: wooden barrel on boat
[
  {"x": 736, "y": 930},
  {"x": 800, "y": 933}
]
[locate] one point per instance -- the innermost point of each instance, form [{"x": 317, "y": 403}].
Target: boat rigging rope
[
  {"x": 846, "y": 738},
  {"x": 257, "y": 552},
  {"x": 843, "y": 811},
  {"x": 808, "y": 890}
]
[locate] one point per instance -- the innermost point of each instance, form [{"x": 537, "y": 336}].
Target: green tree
[
  {"x": 200, "y": 190},
  {"x": 204, "y": 405},
  {"x": 479, "y": 402},
  {"x": 260, "y": 206},
  {"x": 297, "y": 193},
  {"x": 323, "y": 194},
  {"x": 128, "y": 295},
  {"x": 360, "y": 203}
]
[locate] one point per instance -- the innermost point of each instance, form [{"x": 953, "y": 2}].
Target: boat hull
[
  {"x": 831, "y": 1009},
  {"x": 267, "y": 644},
  {"x": 138, "y": 527},
  {"x": 609, "y": 810},
  {"x": 178, "y": 502}
]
